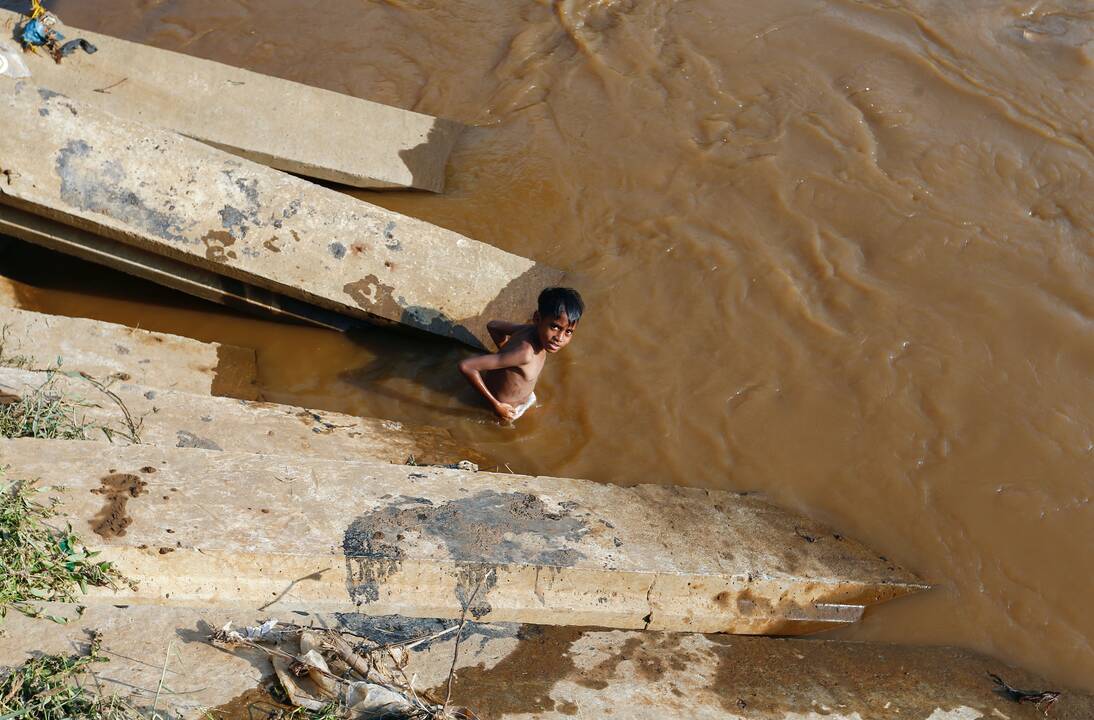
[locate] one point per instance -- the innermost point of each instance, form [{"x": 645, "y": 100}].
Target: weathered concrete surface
[
  {"x": 175, "y": 274},
  {"x": 105, "y": 350},
  {"x": 168, "y": 418},
  {"x": 522, "y": 671},
  {"x": 165, "y": 193},
  {"x": 200, "y": 527},
  {"x": 276, "y": 122}
]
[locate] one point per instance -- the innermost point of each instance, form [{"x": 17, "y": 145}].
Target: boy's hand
[{"x": 473, "y": 367}]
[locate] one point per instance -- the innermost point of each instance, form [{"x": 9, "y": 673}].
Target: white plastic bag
[{"x": 11, "y": 64}]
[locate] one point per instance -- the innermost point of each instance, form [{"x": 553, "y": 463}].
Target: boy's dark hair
[{"x": 557, "y": 301}]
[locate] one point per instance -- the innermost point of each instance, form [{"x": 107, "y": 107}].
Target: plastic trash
[
  {"x": 11, "y": 64},
  {"x": 39, "y": 31},
  {"x": 78, "y": 44},
  {"x": 43, "y": 30}
]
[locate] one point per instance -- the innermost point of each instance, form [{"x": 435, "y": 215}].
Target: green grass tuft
[
  {"x": 40, "y": 563},
  {"x": 42, "y": 413},
  {"x": 49, "y": 688}
]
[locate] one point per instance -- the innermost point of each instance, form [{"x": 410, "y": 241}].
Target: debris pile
[
  {"x": 322, "y": 671},
  {"x": 42, "y": 29}
]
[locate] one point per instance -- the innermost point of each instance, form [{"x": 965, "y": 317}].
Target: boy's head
[{"x": 556, "y": 319}]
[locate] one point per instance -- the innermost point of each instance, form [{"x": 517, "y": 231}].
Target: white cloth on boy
[{"x": 523, "y": 407}]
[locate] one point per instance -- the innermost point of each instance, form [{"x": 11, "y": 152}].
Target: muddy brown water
[{"x": 836, "y": 251}]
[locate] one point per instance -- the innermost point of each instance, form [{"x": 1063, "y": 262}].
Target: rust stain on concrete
[
  {"x": 117, "y": 489},
  {"x": 541, "y": 659},
  {"x": 217, "y": 244}
]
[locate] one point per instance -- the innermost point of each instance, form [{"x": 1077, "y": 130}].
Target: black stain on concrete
[
  {"x": 366, "y": 576},
  {"x": 234, "y": 221},
  {"x": 394, "y": 629},
  {"x": 389, "y": 238},
  {"x": 480, "y": 532},
  {"x": 292, "y": 209},
  {"x": 473, "y": 584},
  {"x": 249, "y": 188},
  {"x": 100, "y": 187},
  {"x": 337, "y": 250}
]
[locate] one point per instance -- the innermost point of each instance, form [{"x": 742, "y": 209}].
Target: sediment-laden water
[{"x": 837, "y": 251}]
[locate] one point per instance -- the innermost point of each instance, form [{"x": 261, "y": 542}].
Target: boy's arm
[
  {"x": 500, "y": 331},
  {"x": 473, "y": 367}
]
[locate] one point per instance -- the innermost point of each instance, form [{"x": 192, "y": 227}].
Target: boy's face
[{"x": 554, "y": 332}]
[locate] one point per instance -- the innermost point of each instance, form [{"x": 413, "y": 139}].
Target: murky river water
[{"x": 837, "y": 251}]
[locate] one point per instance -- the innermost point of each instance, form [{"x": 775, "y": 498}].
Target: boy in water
[{"x": 508, "y": 377}]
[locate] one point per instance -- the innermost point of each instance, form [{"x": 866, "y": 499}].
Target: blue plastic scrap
[
  {"x": 39, "y": 32},
  {"x": 35, "y": 32}
]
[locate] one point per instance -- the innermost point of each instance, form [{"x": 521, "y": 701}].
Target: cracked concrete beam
[
  {"x": 168, "y": 194},
  {"x": 174, "y": 274},
  {"x": 283, "y": 124},
  {"x": 169, "y": 418},
  {"x": 106, "y": 350},
  {"x": 197, "y": 528},
  {"x": 510, "y": 671}
]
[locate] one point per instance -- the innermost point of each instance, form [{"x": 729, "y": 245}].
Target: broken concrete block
[
  {"x": 510, "y": 671},
  {"x": 174, "y": 196},
  {"x": 198, "y": 527},
  {"x": 169, "y": 418},
  {"x": 104, "y": 350},
  {"x": 174, "y": 274},
  {"x": 286, "y": 125}
]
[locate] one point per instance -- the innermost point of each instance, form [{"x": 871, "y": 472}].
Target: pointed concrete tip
[
  {"x": 285, "y": 125},
  {"x": 198, "y": 527},
  {"x": 163, "y": 193},
  {"x": 112, "y": 352}
]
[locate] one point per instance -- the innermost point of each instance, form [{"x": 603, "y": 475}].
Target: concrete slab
[
  {"x": 286, "y": 125},
  {"x": 165, "y": 193},
  {"x": 105, "y": 350},
  {"x": 174, "y": 274},
  {"x": 8, "y": 294},
  {"x": 199, "y": 527},
  {"x": 168, "y": 418},
  {"x": 510, "y": 671}
]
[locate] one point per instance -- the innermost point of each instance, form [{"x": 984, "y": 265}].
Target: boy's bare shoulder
[{"x": 521, "y": 348}]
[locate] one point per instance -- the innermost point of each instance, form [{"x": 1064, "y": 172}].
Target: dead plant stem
[{"x": 459, "y": 638}]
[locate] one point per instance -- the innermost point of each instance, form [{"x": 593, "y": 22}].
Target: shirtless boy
[{"x": 508, "y": 377}]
